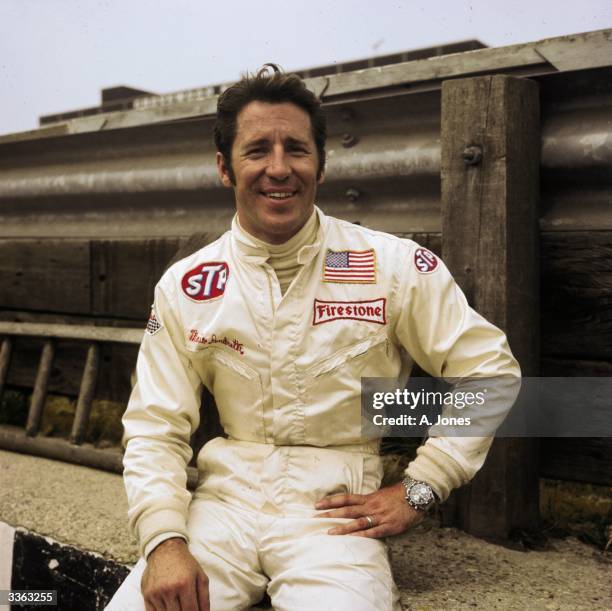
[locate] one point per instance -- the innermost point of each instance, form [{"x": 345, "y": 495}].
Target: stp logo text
[
  {"x": 206, "y": 281},
  {"x": 425, "y": 261}
]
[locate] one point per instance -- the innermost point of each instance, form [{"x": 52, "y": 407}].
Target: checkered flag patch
[{"x": 153, "y": 325}]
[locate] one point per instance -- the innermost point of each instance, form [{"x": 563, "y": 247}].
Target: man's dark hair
[{"x": 270, "y": 84}]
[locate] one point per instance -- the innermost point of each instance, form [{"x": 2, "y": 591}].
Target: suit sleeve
[
  {"x": 162, "y": 413},
  {"x": 448, "y": 339}
]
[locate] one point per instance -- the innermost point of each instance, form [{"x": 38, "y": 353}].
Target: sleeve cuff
[
  {"x": 438, "y": 469},
  {"x": 155, "y": 541},
  {"x": 159, "y": 525}
]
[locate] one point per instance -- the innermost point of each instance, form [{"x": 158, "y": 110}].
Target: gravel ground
[
  {"x": 435, "y": 568},
  {"x": 74, "y": 505},
  {"x": 444, "y": 568}
]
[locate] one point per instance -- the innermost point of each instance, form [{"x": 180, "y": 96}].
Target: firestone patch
[{"x": 373, "y": 310}]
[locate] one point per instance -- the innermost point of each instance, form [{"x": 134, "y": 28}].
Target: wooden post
[
  {"x": 490, "y": 191},
  {"x": 5, "y": 359},
  {"x": 39, "y": 394},
  {"x": 86, "y": 394}
]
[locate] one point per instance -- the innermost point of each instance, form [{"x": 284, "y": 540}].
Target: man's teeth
[{"x": 279, "y": 195}]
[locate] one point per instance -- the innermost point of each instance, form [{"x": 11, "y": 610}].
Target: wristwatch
[{"x": 419, "y": 495}]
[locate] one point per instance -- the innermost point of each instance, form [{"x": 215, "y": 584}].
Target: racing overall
[{"x": 285, "y": 371}]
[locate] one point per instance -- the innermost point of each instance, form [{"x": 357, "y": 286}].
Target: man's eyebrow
[
  {"x": 257, "y": 142},
  {"x": 295, "y": 141},
  {"x": 264, "y": 141}
]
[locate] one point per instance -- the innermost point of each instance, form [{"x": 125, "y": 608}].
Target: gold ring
[{"x": 370, "y": 520}]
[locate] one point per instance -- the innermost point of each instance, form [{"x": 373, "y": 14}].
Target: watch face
[{"x": 420, "y": 494}]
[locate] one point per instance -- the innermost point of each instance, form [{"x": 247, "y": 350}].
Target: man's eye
[{"x": 255, "y": 151}]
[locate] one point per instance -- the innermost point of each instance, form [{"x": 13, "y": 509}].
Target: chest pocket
[
  {"x": 333, "y": 388},
  {"x": 345, "y": 355},
  {"x": 238, "y": 392}
]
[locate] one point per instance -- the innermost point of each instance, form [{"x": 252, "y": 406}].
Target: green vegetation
[
  {"x": 581, "y": 510},
  {"x": 104, "y": 429}
]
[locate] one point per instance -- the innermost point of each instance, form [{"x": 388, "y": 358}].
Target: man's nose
[{"x": 278, "y": 167}]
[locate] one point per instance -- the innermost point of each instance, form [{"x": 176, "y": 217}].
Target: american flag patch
[
  {"x": 153, "y": 325},
  {"x": 350, "y": 266}
]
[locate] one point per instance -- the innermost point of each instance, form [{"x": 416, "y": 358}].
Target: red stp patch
[
  {"x": 368, "y": 311},
  {"x": 425, "y": 261},
  {"x": 206, "y": 281}
]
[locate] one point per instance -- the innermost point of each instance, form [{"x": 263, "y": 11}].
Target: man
[{"x": 280, "y": 318}]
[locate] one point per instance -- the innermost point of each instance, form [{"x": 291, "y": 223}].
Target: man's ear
[
  {"x": 321, "y": 177},
  {"x": 223, "y": 171}
]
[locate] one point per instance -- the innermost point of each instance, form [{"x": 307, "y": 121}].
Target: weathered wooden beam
[
  {"x": 582, "y": 459},
  {"x": 5, "y": 359},
  {"x": 86, "y": 394},
  {"x": 578, "y": 459},
  {"x": 490, "y": 170},
  {"x": 37, "y": 275},
  {"x": 554, "y": 367},
  {"x": 12, "y": 438},
  {"x": 84, "y": 332},
  {"x": 577, "y": 294},
  {"x": 40, "y": 389},
  {"x": 125, "y": 272},
  {"x": 106, "y": 277}
]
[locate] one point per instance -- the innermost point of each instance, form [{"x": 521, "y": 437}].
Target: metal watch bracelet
[{"x": 419, "y": 494}]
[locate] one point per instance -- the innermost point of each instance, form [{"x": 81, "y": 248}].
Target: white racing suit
[{"x": 285, "y": 372}]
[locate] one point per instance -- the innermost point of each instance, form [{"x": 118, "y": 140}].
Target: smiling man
[
  {"x": 274, "y": 170},
  {"x": 280, "y": 318}
]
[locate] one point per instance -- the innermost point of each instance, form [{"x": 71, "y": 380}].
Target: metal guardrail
[
  {"x": 573, "y": 52},
  {"x": 72, "y": 450},
  {"x": 151, "y": 172}
]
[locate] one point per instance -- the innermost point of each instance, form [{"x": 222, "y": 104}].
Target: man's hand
[
  {"x": 380, "y": 514},
  {"x": 173, "y": 579}
]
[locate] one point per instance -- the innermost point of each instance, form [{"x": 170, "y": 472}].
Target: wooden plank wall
[
  {"x": 576, "y": 293},
  {"x": 105, "y": 282},
  {"x": 111, "y": 282},
  {"x": 85, "y": 277}
]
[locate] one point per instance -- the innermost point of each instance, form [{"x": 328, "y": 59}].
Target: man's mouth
[{"x": 279, "y": 195}]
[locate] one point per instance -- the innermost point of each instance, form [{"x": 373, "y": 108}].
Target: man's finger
[
  {"x": 156, "y": 603},
  {"x": 340, "y": 500},
  {"x": 359, "y": 524},
  {"x": 352, "y": 511},
  {"x": 188, "y": 599},
  {"x": 173, "y": 604},
  {"x": 202, "y": 594},
  {"x": 373, "y": 533}
]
